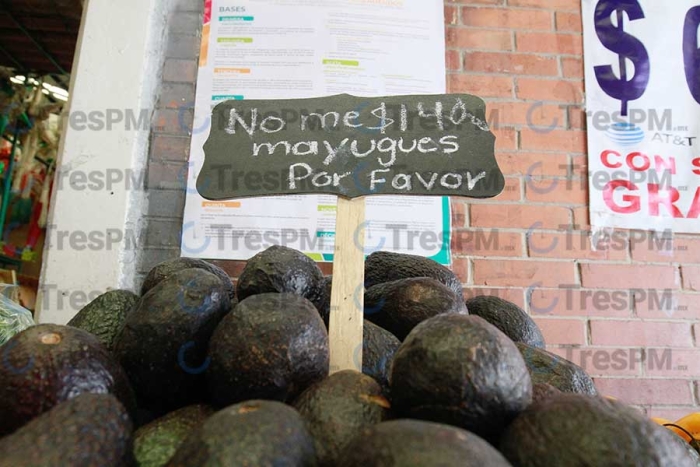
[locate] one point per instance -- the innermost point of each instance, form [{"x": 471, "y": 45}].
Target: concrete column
[{"x": 94, "y": 229}]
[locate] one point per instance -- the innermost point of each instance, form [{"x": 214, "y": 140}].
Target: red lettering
[
  {"x": 634, "y": 155},
  {"x": 662, "y": 165},
  {"x": 607, "y": 163},
  {"x": 609, "y": 190},
  {"x": 666, "y": 197},
  {"x": 694, "y": 212},
  {"x": 696, "y": 163}
]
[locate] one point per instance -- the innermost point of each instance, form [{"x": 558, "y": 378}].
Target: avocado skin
[
  {"x": 163, "y": 343},
  {"x": 336, "y": 408},
  {"x": 36, "y": 376},
  {"x": 253, "y": 433},
  {"x": 574, "y": 430},
  {"x": 271, "y": 346},
  {"x": 399, "y": 306},
  {"x": 385, "y": 266},
  {"x": 508, "y": 317},
  {"x": 168, "y": 268},
  {"x": 324, "y": 305},
  {"x": 462, "y": 371},
  {"x": 378, "y": 349},
  {"x": 419, "y": 444},
  {"x": 543, "y": 391},
  {"x": 283, "y": 270},
  {"x": 156, "y": 443},
  {"x": 91, "y": 430},
  {"x": 546, "y": 367},
  {"x": 104, "y": 316}
]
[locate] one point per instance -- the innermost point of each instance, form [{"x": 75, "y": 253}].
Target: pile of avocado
[{"x": 196, "y": 372}]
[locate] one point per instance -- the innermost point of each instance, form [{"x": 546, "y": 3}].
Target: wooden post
[{"x": 347, "y": 294}]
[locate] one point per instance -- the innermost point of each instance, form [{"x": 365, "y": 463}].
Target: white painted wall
[{"x": 117, "y": 66}]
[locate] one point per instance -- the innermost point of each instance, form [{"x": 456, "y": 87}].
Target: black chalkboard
[{"x": 351, "y": 146}]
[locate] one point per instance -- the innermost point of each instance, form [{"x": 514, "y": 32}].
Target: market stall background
[{"x": 635, "y": 299}]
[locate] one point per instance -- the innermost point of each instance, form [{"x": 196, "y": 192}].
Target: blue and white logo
[{"x": 625, "y": 134}]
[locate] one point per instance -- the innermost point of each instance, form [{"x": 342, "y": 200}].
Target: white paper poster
[
  {"x": 275, "y": 49},
  {"x": 642, "y": 69}
]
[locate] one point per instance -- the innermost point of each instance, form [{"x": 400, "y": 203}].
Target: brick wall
[{"x": 530, "y": 245}]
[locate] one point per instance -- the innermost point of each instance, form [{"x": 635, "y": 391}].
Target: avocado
[
  {"x": 398, "y": 306},
  {"x": 105, "y": 315},
  {"x": 156, "y": 443},
  {"x": 543, "y": 391},
  {"x": 253, "y": 433},
  {"x": 508, "y": 317},
  {"x": 163, "y": 343},
  {"x": 546, "y": 367},
  {"x": 47, "y": 364},
  {"x": 385, "y": 266},
  {"x": 462, "y": 371},
  {"x": 168, "y": 268},
  {"x": 378, "y": 349},
  {"x": 413, "y": 443},
  {"x": 283, "y": 270},
  {"x": 271, "y": 346},
  {"x": 336, "y": 408},
  {"x": 90, "y": 430},
  {"x": 574, "y": 430}
]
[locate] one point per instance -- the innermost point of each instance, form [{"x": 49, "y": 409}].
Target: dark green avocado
[
  {"x": 168, "y": 268},
  {"x": 574, "y": 430},
  {"x": 508, "y": 317},
  {"x": 399, "y": 306},
  {"x": 91, "y": 430},
  {"x": 546, "y": 367},
  {"x": 462, "y": 371},
  {"x": 156, "y": 443},
  {"x": 385, "y": 266},
  {"x": 163, "y": 343},
  {"x": 254, "y": 433},
  {"x": 543, "y": 391},
  {"x": 378, "y": 349},
  {"x": 336, "y": 408},
  {"x": 271, "y": 346},
  {"x": 413, "y": 443},
  {"x": 105, "y": 315},
  {"x": 47, "y": 364},
  {"x": 283, "y": 270}
]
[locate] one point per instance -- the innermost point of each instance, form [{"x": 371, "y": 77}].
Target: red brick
[
  {"x": 550, "y": 4},
  {"x": 452, "y": 14},
  {"x": 479, "y": 39},
  {"x": 669, "y": 304},
  {"x": 483, "y": 85},
  {"x": 170, "y": 148},
  {"x": 180, "y": 71},
  {"x": 549, "y": 42},
  {"x": 459, "y": 209},
  {"x": 659, "y": 248},
  {"x": 646, "y": 391},
  {"x": 521, "y": 216},
  {"x": 512, "y": 273},
  {"x": 556, "y": 90},
  {"x": 534, "y": 165},
  {"x": 562, "y": 331},
  {"x": 581, "y": 217},
  {"x": 506, "y": 138},
  {"x": 574, "y": 245},
  {"x": 526, "y": 113},
  {"x": 490, "y": 242},
  {"x": 511, "y": 192},
  {"x": 507, "y": 18},
  {"x": 691, "y": 277},
  {"x": 696, "y": 334},
  {"x": 609, "y": 361},
  {"x": 555, "y": 140},
  {"x": 567, "y": 21},
  {"x": 628, "y": 276},
  {"x": 522, "y": 64},
  {"x": 453, "y": 60},
  {"x": 572, "y": 67},
  {"x": 573, "y": 301},
  {"x": 515, "y": 296},
  {"x": 577, "y": 117},
  {"x": 460, "y": 266},
  {"x": 558, "y": 191},
  {"x": 640, "y": 333},
  {"x": 680, "y": 364},
  {"x": 672, "y": 413},
  {"x": 480, "y": 2}
]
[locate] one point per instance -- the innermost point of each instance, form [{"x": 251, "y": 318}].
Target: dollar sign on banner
[
  {"x": 627, "y": 46},
  {"x": 691, "y": 51}
]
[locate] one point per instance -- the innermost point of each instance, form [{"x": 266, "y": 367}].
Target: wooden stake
[{"x": 347, "y": 294}]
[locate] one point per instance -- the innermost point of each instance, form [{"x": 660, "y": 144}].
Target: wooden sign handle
[{"x": 347, "y": 293}]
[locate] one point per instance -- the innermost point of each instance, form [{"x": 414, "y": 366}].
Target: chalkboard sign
[{"x": 351, "y": 146}]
